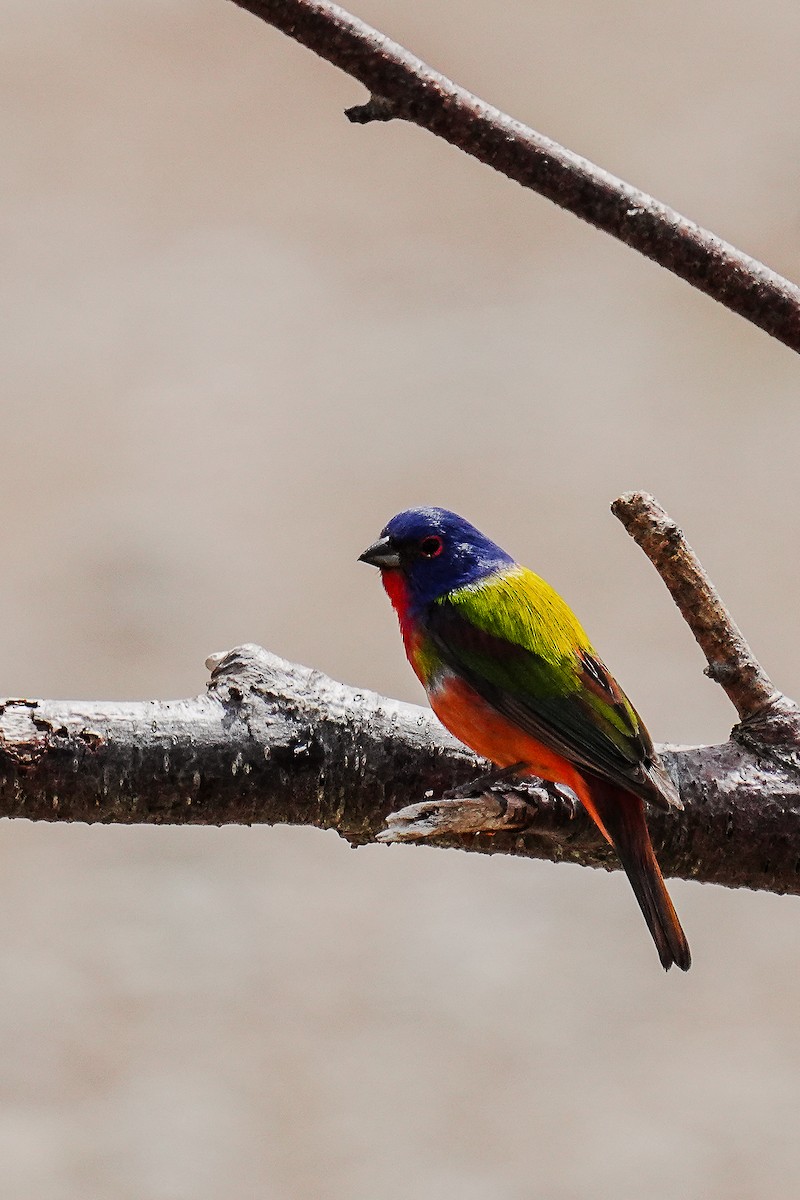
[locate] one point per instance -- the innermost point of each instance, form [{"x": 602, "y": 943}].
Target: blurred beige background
[{"x": 237, "y": 335}]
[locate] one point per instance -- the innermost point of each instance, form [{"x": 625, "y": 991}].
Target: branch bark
[
  {"x": 403, "y": 86},
  {"x": 731, "y": 662},
  {"x": 272, "y": 742}
]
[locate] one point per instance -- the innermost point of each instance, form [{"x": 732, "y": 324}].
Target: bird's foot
[
  {"x": 562, "y": 806},
  {"x": 483, "y": 784},
  {"x": 540, "y": 807}
]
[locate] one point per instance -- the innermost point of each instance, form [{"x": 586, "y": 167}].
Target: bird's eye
[{"x": 430, "y": 547}]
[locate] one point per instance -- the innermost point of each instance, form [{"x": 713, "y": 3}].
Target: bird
[{"x": 509, "y": 670}]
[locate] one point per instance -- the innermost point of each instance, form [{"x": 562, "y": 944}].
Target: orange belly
[{"x": 493, "y": 736}]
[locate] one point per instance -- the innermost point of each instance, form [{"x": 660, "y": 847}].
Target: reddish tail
[{"x": 620, "y": 816}]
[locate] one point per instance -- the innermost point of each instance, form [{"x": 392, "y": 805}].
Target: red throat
[{"x": 397, "y": 591}]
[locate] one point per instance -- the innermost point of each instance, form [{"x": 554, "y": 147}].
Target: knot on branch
[
  {"x": 377, "y": 108},
  {"x": 774, "y": 729}
]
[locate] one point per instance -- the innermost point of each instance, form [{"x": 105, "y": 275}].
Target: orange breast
[{"x": 493, "y": 736}]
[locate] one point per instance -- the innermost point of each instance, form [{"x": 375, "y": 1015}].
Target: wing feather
[{"x": 520, "y": 646}]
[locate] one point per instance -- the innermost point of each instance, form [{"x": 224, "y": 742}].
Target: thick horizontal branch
[
  {"x": 401, "y": 85},
  {"x": 276, "y": 743}
]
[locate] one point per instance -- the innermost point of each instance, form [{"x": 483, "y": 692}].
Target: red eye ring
[{"x": 431, "y": 547}]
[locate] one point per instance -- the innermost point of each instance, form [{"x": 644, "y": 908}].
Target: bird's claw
[
  {"x": 484, "y": 783},
  {"x": 563, "y": 806}
]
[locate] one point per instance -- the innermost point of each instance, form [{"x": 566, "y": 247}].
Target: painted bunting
[{"x": 510, "y": 671}]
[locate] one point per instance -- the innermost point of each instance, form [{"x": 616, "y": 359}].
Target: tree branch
[
  {"x": 276, "y": 743},
  {"x": 273, "y": 743},
  {"x": 731, "y": 662},
  {"x": 401, "y": 85}
]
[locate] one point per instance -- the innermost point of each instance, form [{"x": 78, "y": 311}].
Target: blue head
[{"x": 436, "y": 552}]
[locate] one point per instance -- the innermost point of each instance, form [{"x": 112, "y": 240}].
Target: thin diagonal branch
[
  {"x": 401, "y": 85},
  {"x": 731, "y": 662}
]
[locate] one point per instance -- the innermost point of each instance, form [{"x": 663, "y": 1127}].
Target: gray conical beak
[{"x": 381, "y": 554}]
